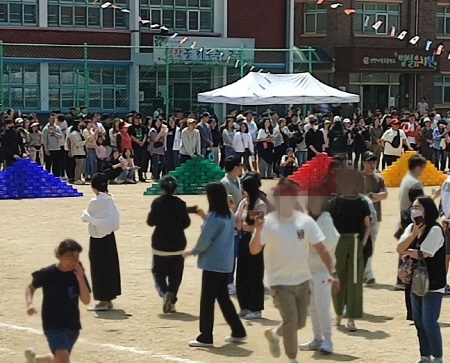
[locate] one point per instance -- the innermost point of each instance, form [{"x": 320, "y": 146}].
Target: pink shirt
[{"x": 100, "y": 150}]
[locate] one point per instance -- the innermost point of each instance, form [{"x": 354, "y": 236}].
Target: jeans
[
  {"x": 426, "y": 311},
  {"x": 126, "y": 174},
  {"x": 214, "y": 287},
  {"x": 265, "y": 169},
  {"x": 140, "y": 159},
  {"x": 302, "y": 157},
  {"x": 90, "y": 168},
  {"x": 439, "y": 159},
  {"x": 172, "y": 159},
  {"x": 159, "y": 163},
  {"x": 229, "y": 151}
]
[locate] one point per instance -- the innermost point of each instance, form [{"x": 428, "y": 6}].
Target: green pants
[{"x": 351, "y": 293}]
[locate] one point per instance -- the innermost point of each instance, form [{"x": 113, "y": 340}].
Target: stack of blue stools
[{"x": 26, "y": 179}]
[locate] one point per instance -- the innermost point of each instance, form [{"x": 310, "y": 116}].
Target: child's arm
[
  {"x": 85, "y": 293},
  {"x": 29, "y": 292}
]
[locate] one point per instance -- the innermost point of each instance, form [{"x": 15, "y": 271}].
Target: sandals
[{"x": 337, "y": 320}]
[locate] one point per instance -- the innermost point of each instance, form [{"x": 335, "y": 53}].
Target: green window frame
[
  {"x": 442, "y": 89},
  {"x": 108, "y": 86},
  {"x": 314, "y": 19},
  {"x": 83, "y": 14},
  {"x": 21, "y": 86},
  {"x": 19, "y": 12},
  {"x": 179, "y": 15},
  {"x": 442, "y": 20},
  {"x": 389, "y": 14}
]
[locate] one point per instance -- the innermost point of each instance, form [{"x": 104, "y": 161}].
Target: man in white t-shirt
[
  {"x": 392, "y": 141},
  {"x": 287, "y": 236}
]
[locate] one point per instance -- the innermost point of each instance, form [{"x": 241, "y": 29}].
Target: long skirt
[{"x": 105, "y": 269}]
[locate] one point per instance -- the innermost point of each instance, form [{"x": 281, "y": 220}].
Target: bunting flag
[
  {"x": 377, "y": 25},
  {"x": 173, "y": 36},
  {"x": 439, "y": 49},
  {"x": 335, "y": 6},
  {"x": 319, "y": 2},
  {"x": 237, "y": 64},
  {"x": 428, "y": 45},
  {"x": 393, "y": 31},
  {"x": 366, "y": 22},
  {"x": 194, "y": 43},
  {"x": 402, "y": 35},
  {"x": 125, "y": 11},
  {"x": 106, "y": 5},
  {"x": 252, "y": 68},
  {"x": 349, "y": 11},
  {"x": 414, "y": 40},
  {"x": 184, "y": 40},
  {"x": 448, "y": 56},
  {"x": 143, "y": 21}
]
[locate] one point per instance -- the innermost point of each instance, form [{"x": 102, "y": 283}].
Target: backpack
[{"x": 395, "y": 143}]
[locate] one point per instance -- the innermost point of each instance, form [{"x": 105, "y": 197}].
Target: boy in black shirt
[{"x": 62, "y": 284}]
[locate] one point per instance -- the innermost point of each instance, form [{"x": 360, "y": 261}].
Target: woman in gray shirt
[{"x": 190, "y": 142}]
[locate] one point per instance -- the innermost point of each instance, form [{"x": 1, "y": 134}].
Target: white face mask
[
  {"x": 416, "y": 213},
  {"x": 315, "y": 127}
]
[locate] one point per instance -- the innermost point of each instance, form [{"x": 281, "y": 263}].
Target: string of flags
[
  {"x": 183, "y": 40},
  {"x": 414, "y": 40}
]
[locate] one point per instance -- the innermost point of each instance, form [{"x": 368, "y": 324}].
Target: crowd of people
[
  {"x": 77, "y": 145},
  {"x": 314, "y": 256}
]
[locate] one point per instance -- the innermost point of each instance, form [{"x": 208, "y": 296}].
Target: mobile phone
[
  {"x": 192, "y": 209},
  {"x": 419, "y": 220}
]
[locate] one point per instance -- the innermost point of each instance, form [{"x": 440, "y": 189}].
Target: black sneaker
[{"x": 167, "y": 302}]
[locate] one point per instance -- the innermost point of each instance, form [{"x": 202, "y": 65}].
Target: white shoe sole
[{"x": 274, "y": 344}]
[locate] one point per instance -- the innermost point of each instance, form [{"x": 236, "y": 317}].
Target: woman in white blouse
[
  {"x": 243, "y": 145},
  {"x": 103, "y": 218}
]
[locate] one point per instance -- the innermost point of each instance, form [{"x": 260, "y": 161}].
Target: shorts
[
  {"x": 447, "y": 242},
  {"x": 61, "y": 339}
]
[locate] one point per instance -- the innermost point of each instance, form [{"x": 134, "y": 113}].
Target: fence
[{"x": 114, "y": 79}]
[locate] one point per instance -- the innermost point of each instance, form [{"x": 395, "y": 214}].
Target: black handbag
[{"x": 420, "y": 283}]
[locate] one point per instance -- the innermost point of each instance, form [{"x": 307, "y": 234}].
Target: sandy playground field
[{"x": 137, "y": 331}]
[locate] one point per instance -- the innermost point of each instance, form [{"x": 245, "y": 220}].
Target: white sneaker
[
  {"x": 312, "y": 345},
  {"x": 231, "y": 339},
  {"x": 253, "y": 315},
  {"x": 173, "y": 309},
  {"x": 231, "y": 289},
  {"x": 196, "y": 344},
  {"x": 274, "y": 342},
  {"x": 294, "y": 360},
  {"x": 30, "y": 355},
  {"x": 243, "y": 312},
  {"x": 326, "y": 347}
]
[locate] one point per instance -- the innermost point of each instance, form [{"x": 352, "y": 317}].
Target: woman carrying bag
[{"x": 426, "y": 238}]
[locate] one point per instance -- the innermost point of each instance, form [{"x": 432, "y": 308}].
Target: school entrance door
[{"x": 375, "y": 97}]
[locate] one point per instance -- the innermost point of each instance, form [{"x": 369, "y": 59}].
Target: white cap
[
  {"x": 426, "y": 119},
  {"x": 240, "y": 117},
  {"x": 346, "y": 121},
  {"x": 19, "y": 120},
  {"x": 437, "y": 117},
  {"x": 337, "y": 118}
]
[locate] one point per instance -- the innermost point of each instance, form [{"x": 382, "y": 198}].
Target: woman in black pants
[
  {"x": 169, "y": 216},
  {"x": 250, "y": 268},
  {"x": 215, "y": 251}
]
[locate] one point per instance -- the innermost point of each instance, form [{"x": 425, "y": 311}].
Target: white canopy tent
[{"x": 271, "y": 89}]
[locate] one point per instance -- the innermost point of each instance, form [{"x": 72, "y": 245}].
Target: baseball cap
[
  {"x": 206, "y": 114},
  {"x": 347, "y": 121},
  {"x": 289, "y": 150},
  {"x": 240, "y": 117},
  {"x": 395, "y": 121},
  {"x": 369, "y": 155},
  {"x": 191, "y": 121}
]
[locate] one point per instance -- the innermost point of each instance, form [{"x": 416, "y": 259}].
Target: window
[
  {"x": 315, "y": 19},
  {"x": 179, "y": 15},
  {"x": 107, "y": 87},
  {"x": 367, "y": 14},
  {"x": 442, "y": 20},
  {"x": 21, "y": 86},
  {"x": 442, "y": 90},
  {"x": 18, "y": 12},
  {"x": 83, "y": 14}
]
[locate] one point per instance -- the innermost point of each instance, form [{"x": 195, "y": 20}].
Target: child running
[{"x": 63, "y": 284}]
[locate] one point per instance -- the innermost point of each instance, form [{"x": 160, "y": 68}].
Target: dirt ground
[{"x": 137, "y": 331}]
